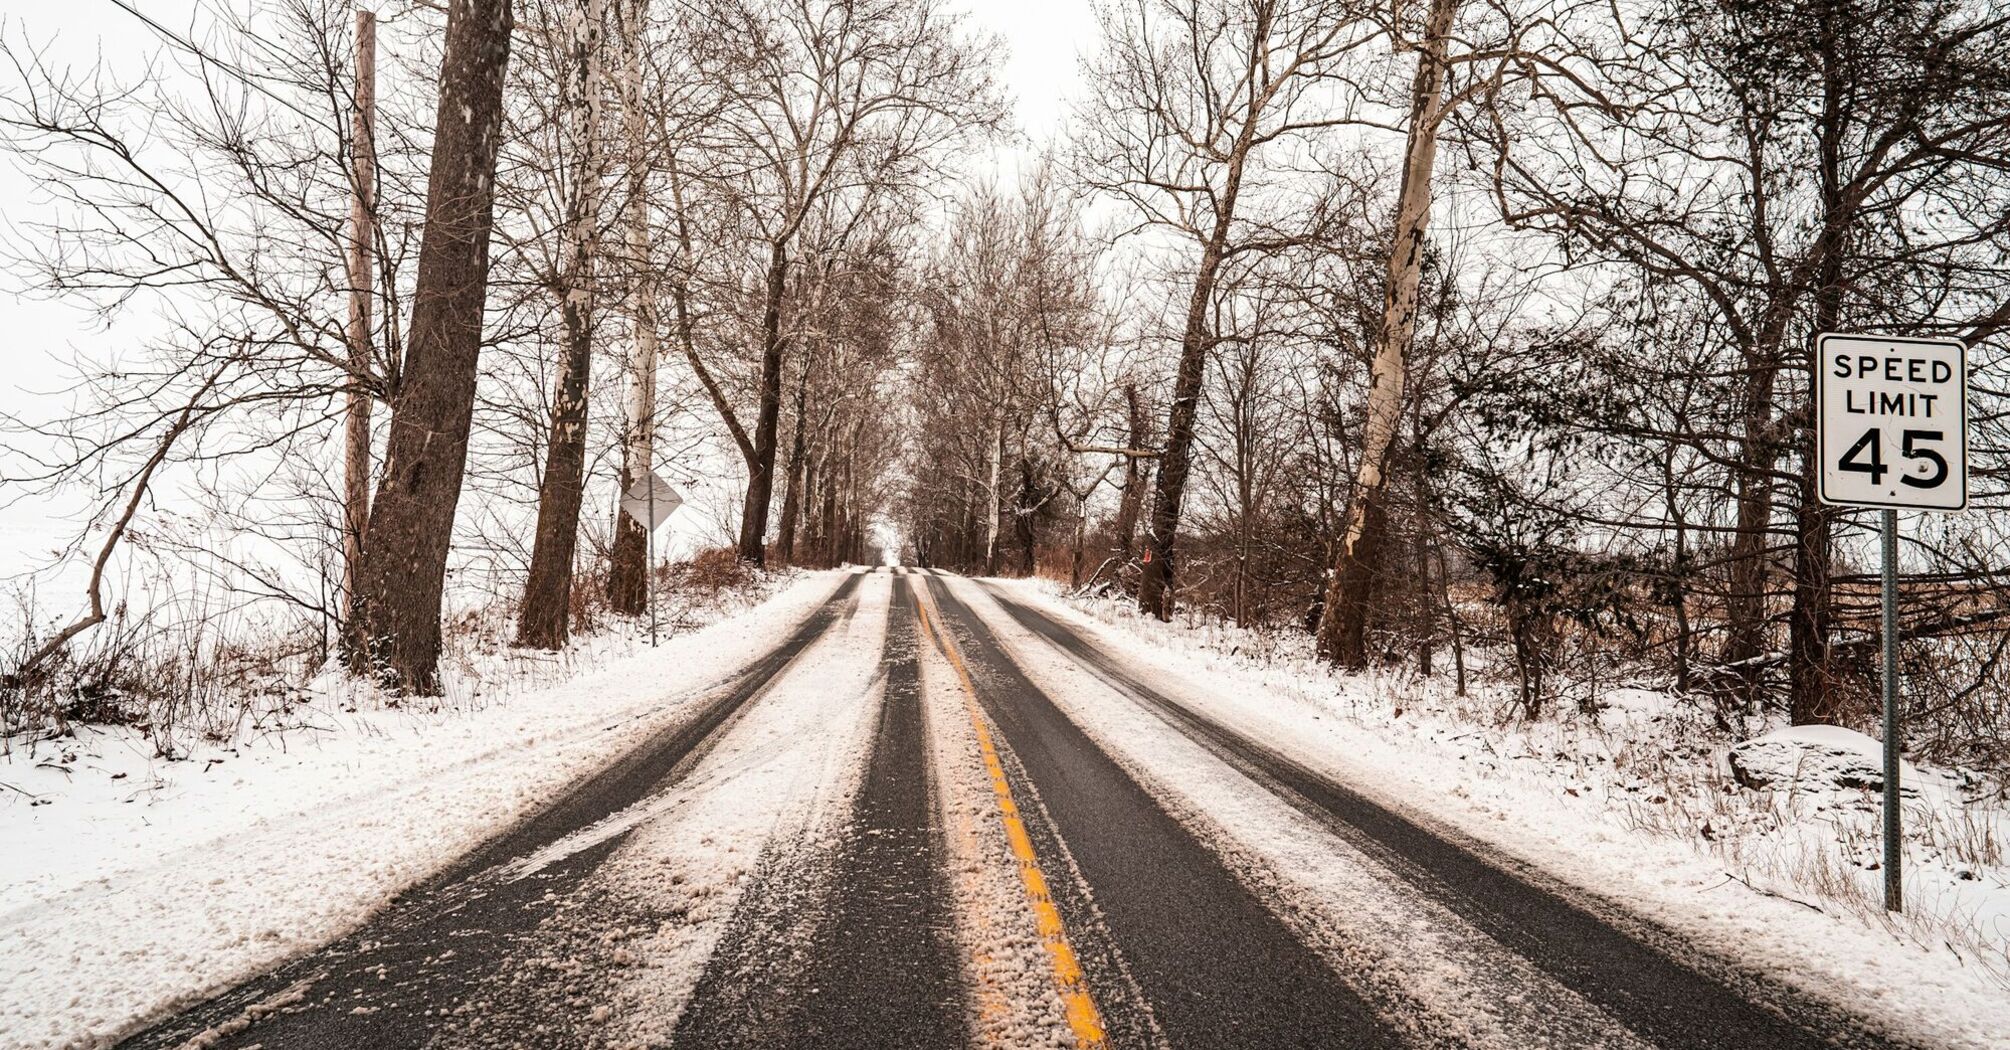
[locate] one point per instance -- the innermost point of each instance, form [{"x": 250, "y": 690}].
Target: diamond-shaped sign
[{"x": 650, "y": 501}]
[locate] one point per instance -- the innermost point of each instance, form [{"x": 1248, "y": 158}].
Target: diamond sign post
[{"x": 650, "y": 501}]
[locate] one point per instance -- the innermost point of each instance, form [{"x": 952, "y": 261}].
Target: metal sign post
[
  {"x": 1891, "y": 431},
  {"x": 650, "y": 501},
  {"x": 649, "y": 569},
  {"x": 1894, "y": 896}
]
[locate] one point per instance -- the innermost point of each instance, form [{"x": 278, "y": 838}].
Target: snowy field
[{"x": 1636, "y": 807}]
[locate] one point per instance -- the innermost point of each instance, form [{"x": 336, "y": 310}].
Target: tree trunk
[
  {"x": 1344, "y": 621},
  {"x": 628, "y": 572},
  {"x": 1745, "y": 600},
  {"x": 1426, "y": 604},
  {"x": 1079, "y": 553},
  {"x": 993, "y": 501},
  {"x": 1133, "y": 499},
  {"x": 827, "y": 521},
  {"x": 396, "y": 628},
  {"x": 362, "y": 281},
  {"x": 1813, "y": 696},
  {"x": 792, "y": 500},
  {"x": 1155, "y": 585},
  {"x": 1022, "y": 516},
  {"x": 546, "y": 621},
  {"x": 761, "y": 466}
]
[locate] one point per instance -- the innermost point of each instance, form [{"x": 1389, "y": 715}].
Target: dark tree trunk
[
  {"x": 1745, "y": 600},
  {"x": 827, "y": 523},
  {"x": 545, "y": 621},
  {"x": 546, "y": 618},
  {"x": 396, "y": 629},
  {"x": 1155, "y": 585},
  {"x": 628, "y": 568},
  {"x": 1351, "y": 592},
  {"x": 1813, "y": 696},
  {"x": 1135, "y": 475},
  {"x": 1029, "y": 498},
  {"x": 761, "y": 468},
  {"x": 785, "y": 539}
]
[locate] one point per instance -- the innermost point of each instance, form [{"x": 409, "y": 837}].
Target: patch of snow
[
  {"x": 1014, "y": 999},
  {"x": 765, "y": 806}
]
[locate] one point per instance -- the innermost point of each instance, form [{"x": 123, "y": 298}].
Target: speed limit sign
[
  {"x": 1892, "y": 426},
  {"x": 1891, "y": 431}
]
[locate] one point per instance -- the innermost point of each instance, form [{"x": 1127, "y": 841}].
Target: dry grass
[{"x": 210, "y": 677}]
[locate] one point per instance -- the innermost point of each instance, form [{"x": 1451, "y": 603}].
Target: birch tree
[{"x": 1342, "y": 631}]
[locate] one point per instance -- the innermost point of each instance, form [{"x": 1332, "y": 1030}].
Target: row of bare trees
[
  {"x": 1415, "y": 324},
  {"x": 1554, "y": 390},
  {"x": 452, "y": 250}
]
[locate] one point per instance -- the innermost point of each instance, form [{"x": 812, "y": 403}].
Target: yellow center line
[{"x": 1083, "y": 1018}]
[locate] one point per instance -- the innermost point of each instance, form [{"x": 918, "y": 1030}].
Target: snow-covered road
[{"x": 894, "y": 809}]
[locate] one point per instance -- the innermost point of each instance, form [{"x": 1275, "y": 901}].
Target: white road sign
[
  {"x": 1892, "y": 421},
  {"x": 650, "y": 511}
]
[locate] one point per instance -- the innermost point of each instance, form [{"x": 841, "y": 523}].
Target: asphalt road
[
  {"x": 420, "y": 972},
  {"x": 1630, "y": 970},
  {"x": 871, "y": 961},
  {"x": 1175, "y": 943},
  {"x": 1153, "y": 939}
]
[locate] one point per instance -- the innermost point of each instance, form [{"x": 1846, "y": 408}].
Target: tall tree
[
  {"x": 396, "y": 629},
  {"x": 545, "y": 620},
  {"x": 1187, "y": 97},
  {"x": 362, "y": 290},
  {"x": 628, "y": 571},
  {"x": 845, "y": 100},
  {"x": 1342, "y": 631}
]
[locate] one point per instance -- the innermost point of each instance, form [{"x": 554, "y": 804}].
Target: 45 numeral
[{"x": 1866, "y": 456}]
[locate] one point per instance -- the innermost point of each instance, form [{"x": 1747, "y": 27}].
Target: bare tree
[
  {"x": 575, "y": 31},
  {"x": 1343, "y": 623},
  {"x": 396, "y": 629},
  {"x": 1187, "y": 98},
  {"x": 844, "y": 99},
  {"x": 362, "y": 278}
]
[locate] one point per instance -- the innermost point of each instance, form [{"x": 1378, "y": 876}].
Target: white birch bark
[{"x": 1399, "y": 320}]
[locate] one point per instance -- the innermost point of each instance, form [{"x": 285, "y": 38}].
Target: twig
[{"x": 1792, "y": 900}]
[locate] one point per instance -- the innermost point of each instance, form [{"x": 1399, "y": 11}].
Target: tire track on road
[
  {"x": 874, "y": 962},
  {"x": 1214, "y": 967},
  {"x": 1642, "y": 986},
  {"x": 425, "y": 958}
]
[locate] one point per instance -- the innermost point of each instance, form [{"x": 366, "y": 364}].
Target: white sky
[{"x": 1045, "y": 39}]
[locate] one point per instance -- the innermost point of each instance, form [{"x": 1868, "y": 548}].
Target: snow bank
[
  {"x": 130, "y": 885},
  {"x": 1632, "y": 806}
]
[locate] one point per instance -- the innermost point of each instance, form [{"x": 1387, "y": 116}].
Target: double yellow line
[{"x": 1083, "y": 1017}]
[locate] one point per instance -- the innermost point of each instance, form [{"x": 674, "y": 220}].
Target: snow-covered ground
[
  {"x": 129, "y": 884},
  {"x": 1637, "y": 806}
]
